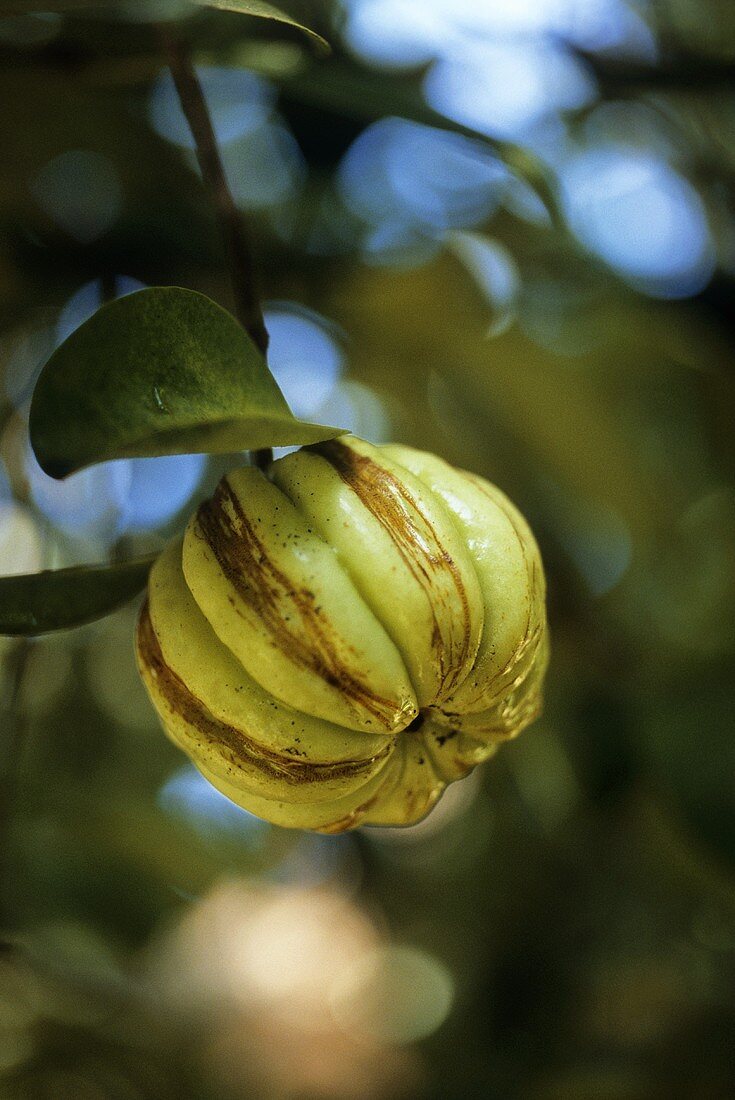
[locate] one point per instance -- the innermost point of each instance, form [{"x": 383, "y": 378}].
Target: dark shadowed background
[{"x": 562, "y": 927}]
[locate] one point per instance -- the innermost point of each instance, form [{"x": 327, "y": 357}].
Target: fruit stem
[
  {"x": 262, "y": 459},
  {"x": 240, "y": 257}
]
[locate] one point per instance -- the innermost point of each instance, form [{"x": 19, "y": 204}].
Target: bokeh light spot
[
  {"x": 87, "y": 503},
  {"x": 159, "y": 488},
  {"x": 238, "y": 102},
  {"x": 393, "y": 994},
  {"x": 303, "y": 356},
  {"x": 644, "y": 219},
  {"x": 20, "y": 544},
  {"x": 501, "y": 88},
  {"x": 400, "y": 33},
  {"x": 395, "y": 33},
  {"x": 595, "y": 536},
  {"x": 24, "y": 355},
  {"x": 494, "y": 270},
  {"x": 398, "y": 171},
  {"x": 359, "y": 410},
  {"x": 189, "y": 796},
  {"x": 88, "y": 299},
  {"x": 264, "y": 167},
  {"x": 81, "y": 192}
]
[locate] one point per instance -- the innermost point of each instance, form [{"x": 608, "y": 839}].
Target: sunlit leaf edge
[
  {"x": 226, "y": 437},
  {"x": 268, "y": 11}
]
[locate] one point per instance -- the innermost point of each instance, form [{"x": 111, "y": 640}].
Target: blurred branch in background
[
  {"x": 682, "y": 72},
  {"x": 237, "y": 246}
]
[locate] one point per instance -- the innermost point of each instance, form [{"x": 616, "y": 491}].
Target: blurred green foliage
[{"x": 581, "y": 895}]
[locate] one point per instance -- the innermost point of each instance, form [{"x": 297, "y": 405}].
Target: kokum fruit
[{"x": 334, "y": 642}]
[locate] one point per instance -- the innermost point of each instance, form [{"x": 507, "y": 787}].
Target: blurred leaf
[
  {"x": 512, "y": 403},
  {"x": 694, "y": 776},
  {"x": 36, "y": 603},
  {"x": 161, "y": 215},
  {"x": 159, "y": 372},
  {"x": 267, "y": 11},
  {"x": 22, "y": 7},
  {"x": 348, "y": 89},
  {"x": 174, "y": 8}
]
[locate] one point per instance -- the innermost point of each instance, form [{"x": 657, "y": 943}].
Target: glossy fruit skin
[{"x": 337, "y": 639}]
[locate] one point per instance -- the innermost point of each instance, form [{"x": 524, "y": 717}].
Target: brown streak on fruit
[
  {"x": 184, "y": 703},
  {"x": 391, "y": 781},
  {"x": 415, "y": 538},
  {"x": 264, "y": 588}
]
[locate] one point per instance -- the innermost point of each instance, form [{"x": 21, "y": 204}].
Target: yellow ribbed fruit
[{"x": 335, "y": 641}]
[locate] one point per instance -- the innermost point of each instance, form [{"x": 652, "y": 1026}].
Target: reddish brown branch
[{"x": 242, "y": 270}]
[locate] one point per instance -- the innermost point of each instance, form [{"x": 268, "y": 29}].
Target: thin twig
[{"x": 242, "y": 271}]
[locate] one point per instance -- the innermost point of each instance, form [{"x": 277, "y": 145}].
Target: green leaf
[
  {"x": 160, "y": 372},
  {"x": 161, "y": 10},
  {"x": 36, "y": 603},
  {"x": 268, "y": 11}
]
